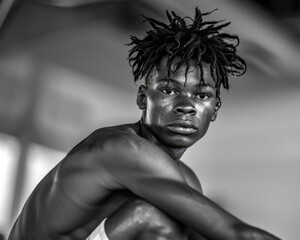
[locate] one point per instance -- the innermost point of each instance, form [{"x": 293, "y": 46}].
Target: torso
[{"x": 75, "y": 182}]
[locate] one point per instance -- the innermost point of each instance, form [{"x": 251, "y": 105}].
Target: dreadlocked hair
[{"x": 189, "y": 39}]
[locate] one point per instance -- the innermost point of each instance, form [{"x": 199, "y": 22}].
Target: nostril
[
  {"x": 192, "y": 111},
  {"x": 186, "y": 110},
  {"x": 179, "y": 110}
]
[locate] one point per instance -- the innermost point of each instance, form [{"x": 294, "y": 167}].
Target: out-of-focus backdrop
[{"x": 64, "y": 73}]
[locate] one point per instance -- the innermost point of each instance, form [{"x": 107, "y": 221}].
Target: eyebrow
[
  {"x": 207, "y": 85},
  {"x": 169, "y": 80},
  {"x": 175, "y": 82}
]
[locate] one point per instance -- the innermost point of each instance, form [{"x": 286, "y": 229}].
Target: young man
[{"x": 127, "y": 182}]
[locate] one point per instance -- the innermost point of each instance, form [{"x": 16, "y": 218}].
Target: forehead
[{"x": 194, "y": 74}]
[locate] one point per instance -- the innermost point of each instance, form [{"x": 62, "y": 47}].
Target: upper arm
[
  {"x": 194, "y": 182},
  {"x": 191, "y": 178},
  {"x": 135, "y": 162},
  {"x": 150, "y": 173}
]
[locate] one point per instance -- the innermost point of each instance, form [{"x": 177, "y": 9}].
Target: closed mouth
[
  {"x": 182, "y": 130},
  {"x": 183, "y": 127}
]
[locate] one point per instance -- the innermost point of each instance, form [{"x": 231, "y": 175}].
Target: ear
[
  {"x": 141, "y": 97},
  {"x": 217, "y": 107}
]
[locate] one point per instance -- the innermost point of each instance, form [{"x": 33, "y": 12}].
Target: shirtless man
[{"x": 127, "y": 182}]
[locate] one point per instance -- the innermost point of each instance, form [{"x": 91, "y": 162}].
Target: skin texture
[
  {"x": 169, "y": 104},
  {"x": 109, "y": 171}
]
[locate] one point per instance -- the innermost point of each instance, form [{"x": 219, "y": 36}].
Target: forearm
[
  {"x": 247, "y": 232},
  {"x": 156, "y": 178},
  {"x": 193, "y": 235},
  {"x": 243, "y": 232},
  {"x": 189, "y": 207},
  {"x": 194, "y": 210}
]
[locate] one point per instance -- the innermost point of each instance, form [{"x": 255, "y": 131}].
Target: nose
[{"x": 186, "y": 109}]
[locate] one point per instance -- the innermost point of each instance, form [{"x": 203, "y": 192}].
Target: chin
[{"x": 181, "y": 141}]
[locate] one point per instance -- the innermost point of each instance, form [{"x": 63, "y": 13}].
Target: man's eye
[
  {"x": 203, "y": 96},
  {"x": 168, "y": 91}
]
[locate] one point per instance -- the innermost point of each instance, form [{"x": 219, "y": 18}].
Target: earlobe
[
  {"x": 141, "y": 97},
  {"x": 214, "y": 116},
  {"x": 217, "y": 107}
]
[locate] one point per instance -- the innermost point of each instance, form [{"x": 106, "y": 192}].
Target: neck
[{"x": 175, "y": 153}]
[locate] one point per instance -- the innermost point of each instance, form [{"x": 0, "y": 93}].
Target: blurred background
[{"x": 64, "y": 73}]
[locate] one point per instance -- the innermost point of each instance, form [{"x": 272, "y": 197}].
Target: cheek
[
  {"x": 157, "y": 109},
  {"x": 206, "y": 110},
  {"x": 204, "y": 117},
  {"x": 158, "y": 112},
  {"x": 157, "y": 102}
]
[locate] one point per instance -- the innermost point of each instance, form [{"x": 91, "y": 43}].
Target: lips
[{"x": 183, "y": 127}]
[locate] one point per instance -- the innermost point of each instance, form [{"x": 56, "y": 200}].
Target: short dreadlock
[{"x": 194, "y": 40}]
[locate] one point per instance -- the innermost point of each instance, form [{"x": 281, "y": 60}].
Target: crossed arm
[
  {"x": 71, "y": 193},
  {"x": 151, "y": 174}
]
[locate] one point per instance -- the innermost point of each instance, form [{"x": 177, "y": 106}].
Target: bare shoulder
[
  {"x": 102, "y": 137},
  {"x": 109, "y": 142},
  {"x": 97, "y": 151},
  {"x": 112, "y": 159},
  {"x": 190, "y": 176},
  {"x": 123, "y": 141},
  {"x": 108, "y": 149},
  {"x": 77, "y": 186}
]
